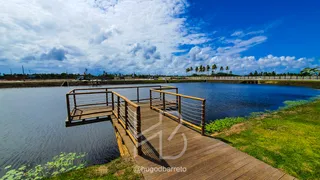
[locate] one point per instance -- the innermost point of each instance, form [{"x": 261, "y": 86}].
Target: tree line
[
  {"x": 304, "y": 72},
  {"x": 207, "y": 68}
]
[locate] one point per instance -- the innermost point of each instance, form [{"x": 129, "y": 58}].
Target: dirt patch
[
  {"x": 235, "y": 129},
  {"x": 102, "y": 170}
]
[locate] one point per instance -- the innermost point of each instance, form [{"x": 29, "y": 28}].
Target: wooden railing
[
  {"x": 97, "y": 102},
  {"x": 188, "y": 110},
  {"x": 78, "y": 100},
  {"x": 128, "y": 115},
  {"x": 138, "y": 89}
]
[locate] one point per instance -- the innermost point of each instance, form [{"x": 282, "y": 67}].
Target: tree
[
  {"x": 221, "y": 68},
  {"x": 214, "y": 67},
  {"x": 230, "y": 72},
  {"x": 310, "y": 71},
  {"x": 227, "y": 68},
  {"x": 187, "y": 70},
  {"x": 197, "y": 69},
  {"x": 255, "y": 73},
  {"x": 273, "y": 73},
  {"x": 208, "y": 69},
  {"x": 191, "y": 68}
]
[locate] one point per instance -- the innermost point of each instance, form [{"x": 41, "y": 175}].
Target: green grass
[
  {"x": 121, "y": 168},
  {"x": 222, "y": 124},
  {"x": 288, "y": 139}
]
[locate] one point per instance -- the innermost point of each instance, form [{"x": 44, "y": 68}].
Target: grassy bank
[
  {"x": 53, "y": 83},
  {"x": 306, "y": 83},
  {"x": 121, "y": 168},
  {"x": 288, "y": 139}
]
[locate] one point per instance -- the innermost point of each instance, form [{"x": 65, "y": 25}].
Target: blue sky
[
  {"x": 292, "y": 27},
  {"x": 158, "y": 36}
]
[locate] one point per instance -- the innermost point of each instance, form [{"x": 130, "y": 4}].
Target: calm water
[{"x": 32, "y": 128}]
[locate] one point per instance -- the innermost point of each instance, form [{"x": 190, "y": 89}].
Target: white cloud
[{"x": 118, "y": 36}]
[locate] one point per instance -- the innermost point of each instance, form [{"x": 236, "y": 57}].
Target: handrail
[
  {"x": 118, "y": 87},
  {"x": 126, "y": 112},
  {"x": 127, "y": 100},
  {"x": 178, "y": 102},
  {"x": 176, "y": 94}
]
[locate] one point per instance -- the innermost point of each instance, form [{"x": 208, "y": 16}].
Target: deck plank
[{"x": 204, "y": 158}]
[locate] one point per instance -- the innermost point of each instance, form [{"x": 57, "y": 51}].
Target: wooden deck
[
  {"x": 87, "y": 115},
  {"x": 165, "y": 143},
  {"x": 204, "y": 158}
]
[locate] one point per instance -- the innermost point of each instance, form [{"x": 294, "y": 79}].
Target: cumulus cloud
[{"x": 119, "y": 36}]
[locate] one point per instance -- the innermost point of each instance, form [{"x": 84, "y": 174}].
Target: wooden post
[
  {"x": 139, "y": 148},
  {"x": 74, "y": 99},
  {"x": 150, "y": 99},
  {"x": 138, "y": 95},
  {"x": 203, "y": 120},
  {"x": 118, "y": 110},
  {"x": 107, "y": 98},
  {"x": 177, "y": 98},
  {"x": 160, "y": 93},
  {"x": 68, "y": 108},
  {"x": 179, "y": 108},
  {"x": 112, "y": 99},
  {"x": 164, "y": 102},
  {"x": 126, "y": 114}
]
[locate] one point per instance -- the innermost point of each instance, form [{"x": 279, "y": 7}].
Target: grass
[
  {"x": 222, "y": 124},
  {"x": 121, "y": 168},
  {"x": 288, "y": 139}
]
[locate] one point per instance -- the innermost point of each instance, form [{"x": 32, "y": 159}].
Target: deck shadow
[{"x": 150, "y": 153}]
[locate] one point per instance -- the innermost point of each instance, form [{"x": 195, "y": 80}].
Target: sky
[{"x": 158, "y": 36}]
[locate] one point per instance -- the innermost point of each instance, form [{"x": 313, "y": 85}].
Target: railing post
[
  {"x": 138, "y": 98},
  {"x": 160, "y": 93},
  {"x": 150, "y": 99},
  {"x": 126, "y": 115},
  {"x": 179, "y": 108},
  {"x": 68, "y": 107},
  {"x": 112, "y": 99},
  {"x": 118, "y": 110},
  {"x": 107, "y": 97},
  {"x": 139, "y": 148},
  {"x": 164, "y": 102},
  {"x": 74, "y": 99},
  {"x": 203, "y": 120},
  {"x": 177, "y": 98}
]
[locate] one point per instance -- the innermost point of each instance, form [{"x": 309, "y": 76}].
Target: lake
[{"x": 33, "y": 128}]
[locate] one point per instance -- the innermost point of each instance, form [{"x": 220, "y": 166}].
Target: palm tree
[
  {"x": 201, "y": 68},
  {"x": 208, "y": 69},
  {"x": 221, "y": 68},
  {"x": 197, "y": 69},
  {"x": 227, "y": 68},
  {"x": 214, "y": 67},
  {"x": 187, "y": 70}
]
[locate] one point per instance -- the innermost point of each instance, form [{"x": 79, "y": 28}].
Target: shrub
[
  {"x": 222, "y": 124},
  {"x": 290, "y": 104},
  {"x": 62, "y": 163}
]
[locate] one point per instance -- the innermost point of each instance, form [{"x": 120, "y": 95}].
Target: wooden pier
[{"x": 165, "y": 130}]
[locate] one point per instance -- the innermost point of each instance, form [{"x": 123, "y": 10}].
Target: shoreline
[
  {"x": 58, "y": 83},
  {"x": 228, "y": 134},
  {"x": 275, "y": 137}
]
